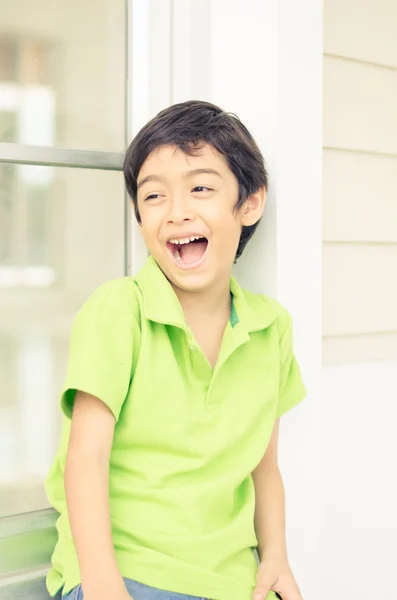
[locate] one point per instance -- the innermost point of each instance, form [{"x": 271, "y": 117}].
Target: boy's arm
[
  {"x": 270, "y": 503},
  {"x": 274, "y": 572},
  {"x": 87, "y": 496}
]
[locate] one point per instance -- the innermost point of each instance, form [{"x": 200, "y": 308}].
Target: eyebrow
[{"x": 161, "y": 179}]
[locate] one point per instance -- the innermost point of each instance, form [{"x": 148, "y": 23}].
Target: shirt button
[{"x": 192, "y": 348}]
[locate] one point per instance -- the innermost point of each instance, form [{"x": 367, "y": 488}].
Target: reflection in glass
[
  {"x": 62, "y": 73},
  {"x": 62, "y": 235}
]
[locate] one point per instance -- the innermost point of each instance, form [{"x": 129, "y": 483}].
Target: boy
[{"x": 168, "y": 480}]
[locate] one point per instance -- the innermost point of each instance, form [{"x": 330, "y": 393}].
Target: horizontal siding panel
[
  {"x": 362, "y": 29},
  {"x": 359, "y": 288},
  {"x": 359, "y": 348},
  {"x": 360, "y": 106},
  {"x": 360, "y": 197}
]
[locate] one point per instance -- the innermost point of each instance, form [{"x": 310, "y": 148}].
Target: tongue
[{"x": 193, "y": 251}]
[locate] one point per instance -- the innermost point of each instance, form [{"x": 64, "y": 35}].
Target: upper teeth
[{"x": 186, "y": 240}]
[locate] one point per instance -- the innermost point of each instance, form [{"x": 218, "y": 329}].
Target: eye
[
  {"x": 152, "y": 197},
  {"x": 202, "y": 188}
]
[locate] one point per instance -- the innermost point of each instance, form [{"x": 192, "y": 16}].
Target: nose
[{"x": 180, "y": 210}]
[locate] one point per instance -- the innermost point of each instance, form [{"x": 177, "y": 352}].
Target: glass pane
[
  {"x": 62, "y": 73},
  {"x": 62, "y": 234}
]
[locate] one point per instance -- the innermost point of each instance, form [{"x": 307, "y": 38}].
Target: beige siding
[
  {"x": 362, "y": 29},
  {"x": 360, "y": 106},
  {"x": 360, "y": 292},
  {"x": 359, "y": 197},
  {"x": 356, "y": 348},
  {"x": 360, "y": 181}
]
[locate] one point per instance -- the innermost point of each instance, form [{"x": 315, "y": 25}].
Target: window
[
  {"x": 66, "y": 239},
  {"x": 62, "y": 73},
  {"x": 62, "y": 211},
  {"x": 62, "y": 233}
]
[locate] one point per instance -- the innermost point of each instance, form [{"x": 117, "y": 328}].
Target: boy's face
[{"x": 188, "y": 217}]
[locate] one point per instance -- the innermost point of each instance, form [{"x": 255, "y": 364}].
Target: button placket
[{"x": 200, "y": 369}]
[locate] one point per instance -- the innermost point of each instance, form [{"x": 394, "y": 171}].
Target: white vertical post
[
  {"x": 191, "y": 50},
  {"x": 299, "y": 270},
  {"x": 266, "y": 66}
]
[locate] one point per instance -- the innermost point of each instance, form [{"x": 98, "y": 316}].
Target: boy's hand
[{"x": 276, "y": 575}]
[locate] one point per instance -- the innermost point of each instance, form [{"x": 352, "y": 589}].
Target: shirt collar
[
  {"x": 253, "y": 311},
  {"x": 161, "y": 304}
]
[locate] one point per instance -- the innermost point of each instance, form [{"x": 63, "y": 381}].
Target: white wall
[
  {"x": 359, "y": 492},
  {"x": 358, "y": 489},
  {"x": 253, "y": 60}
]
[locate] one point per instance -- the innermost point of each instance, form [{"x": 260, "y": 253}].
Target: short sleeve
[
  {"x": 102, "y": 347},
  {"x": 292, "y": 389}
]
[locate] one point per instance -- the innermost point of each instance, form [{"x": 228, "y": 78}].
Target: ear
[{"x": 253, "y": 207}]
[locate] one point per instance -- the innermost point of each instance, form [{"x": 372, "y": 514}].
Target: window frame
[{"x": 27, "y": 540}]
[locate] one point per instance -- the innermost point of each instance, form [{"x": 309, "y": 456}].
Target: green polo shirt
[{"x": 187, "y": 437}]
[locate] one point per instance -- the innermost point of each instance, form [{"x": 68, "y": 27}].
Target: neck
[{"x": 206, "y": 305}]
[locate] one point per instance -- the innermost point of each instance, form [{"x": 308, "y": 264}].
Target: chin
[{"x": 189, "y": 281}]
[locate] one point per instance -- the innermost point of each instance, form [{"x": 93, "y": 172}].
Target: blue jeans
[{"x": 137, "y": 591}]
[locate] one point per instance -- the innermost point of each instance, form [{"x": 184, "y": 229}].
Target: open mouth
[{"x": 188, "y": 251}]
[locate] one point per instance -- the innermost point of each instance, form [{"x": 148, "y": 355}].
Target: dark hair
[{"x": 189, "y": 126}]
